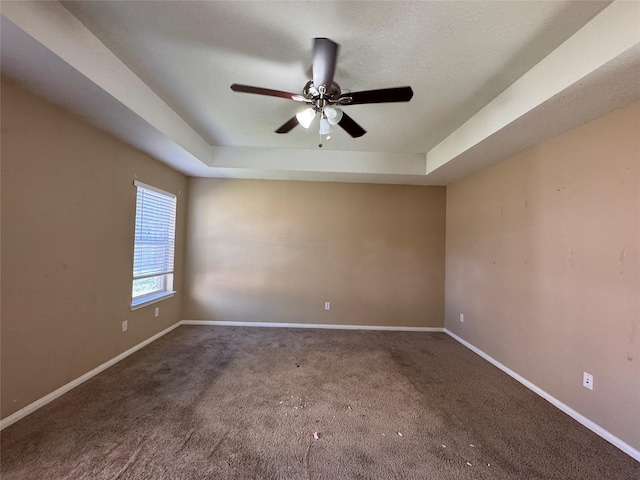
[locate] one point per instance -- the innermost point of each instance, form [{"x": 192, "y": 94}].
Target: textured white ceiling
[
  {"x": 457, "y": 56},
  {"x": 157, "y": 75}
]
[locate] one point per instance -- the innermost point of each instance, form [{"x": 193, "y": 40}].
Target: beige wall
[
  {"x": 542, "y": 259},
  {"x": 275, "y": 251},
  {"x": 542, "y": 256},
  {"x": 68, "y": 213}
]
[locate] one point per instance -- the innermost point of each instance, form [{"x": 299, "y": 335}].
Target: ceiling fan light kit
[
  {"x": 323, "y": 95},
  {"x": 333, "y": 114},
  {"x": 325, "y": 126},
  {"x": 306, "y": 116}
]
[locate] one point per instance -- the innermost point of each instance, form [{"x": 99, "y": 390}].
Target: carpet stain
[
  {"x": 132, "y": 459},
  {"x": 184, "y": 444},
  {"x": 217, "y": 446}
]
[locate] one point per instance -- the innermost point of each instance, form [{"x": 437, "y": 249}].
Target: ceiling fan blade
[
  {"x": 351, "y": 127},
  {"x": 384, "y": 95},
  {"x": 325, "y": 56},
  {"x": 288, "y": 126},
  {"x": 267, "y": 91}
]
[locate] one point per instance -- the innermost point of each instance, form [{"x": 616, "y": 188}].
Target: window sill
[{"x": 143, "y": 302}]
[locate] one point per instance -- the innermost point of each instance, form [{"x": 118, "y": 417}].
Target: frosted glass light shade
[
  {"x": 333, "y": 114},
  {"x": 305, "y": 117},
  {"x": 325, "y": 127}
]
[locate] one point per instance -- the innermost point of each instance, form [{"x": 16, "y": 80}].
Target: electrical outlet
[
  {"x": 125, "y": 326},
  {"x": 462, "y": 317},
  {"x": 157, "y": 313},
  {"x": 587, "y": 380},
  {"x": 327, "y": 305}
]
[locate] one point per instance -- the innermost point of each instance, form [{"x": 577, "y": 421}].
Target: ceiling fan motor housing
[{"x": 312, "y": 93}]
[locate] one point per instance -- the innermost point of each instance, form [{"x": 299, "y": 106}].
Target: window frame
[{"x": 166, "y": 278}]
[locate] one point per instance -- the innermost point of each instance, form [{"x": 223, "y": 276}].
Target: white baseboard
[
  {"x": 597, "y": 429},
  {"x": 32, "y": 407},
  {"x": 329, "y": 326}
]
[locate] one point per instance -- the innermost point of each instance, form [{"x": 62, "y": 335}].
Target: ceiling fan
[{"x": 324, "y": 97}]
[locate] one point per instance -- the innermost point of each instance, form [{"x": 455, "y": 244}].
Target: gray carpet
[{"x": 245, "y": 403}]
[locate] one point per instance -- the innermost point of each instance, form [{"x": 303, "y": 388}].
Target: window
[{"x": 154, "y": 245}]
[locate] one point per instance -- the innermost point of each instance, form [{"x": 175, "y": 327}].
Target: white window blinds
[{"x": 155, "y": 233}]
